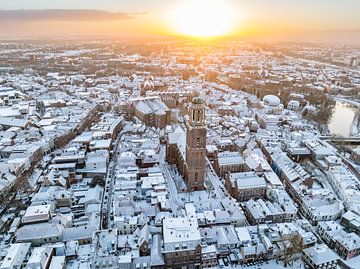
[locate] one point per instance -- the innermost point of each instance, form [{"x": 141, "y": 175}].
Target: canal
[{"x": 344, "y": 120}]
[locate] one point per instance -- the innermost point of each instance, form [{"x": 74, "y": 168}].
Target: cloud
[{"x": 63, "y": 15}]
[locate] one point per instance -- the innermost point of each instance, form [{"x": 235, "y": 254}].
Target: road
[
  {"x": 215, "y": 180},
  {"x": 170, "y": 176},
  {"x": 175, "y": 200},
  {"x": 109, "y": 186}
]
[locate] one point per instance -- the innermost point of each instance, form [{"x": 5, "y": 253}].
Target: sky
[{"x": 151, "y": 17}]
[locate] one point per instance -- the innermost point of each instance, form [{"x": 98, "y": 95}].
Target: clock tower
[{"x": 196, "y": 146}]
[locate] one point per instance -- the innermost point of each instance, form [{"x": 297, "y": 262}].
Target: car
[{"x": 8, "y": 239}]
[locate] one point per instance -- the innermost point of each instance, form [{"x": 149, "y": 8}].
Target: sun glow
[{"x": 203, "y": 18}]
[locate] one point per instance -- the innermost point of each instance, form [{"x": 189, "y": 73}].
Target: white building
[
  {"x": 15, "y": 256},
  {"x": 180, "y": 233},
  {"x": 37, "y": 213}
]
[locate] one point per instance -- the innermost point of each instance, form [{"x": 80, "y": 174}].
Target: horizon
[{"x": 267, "y": 20}]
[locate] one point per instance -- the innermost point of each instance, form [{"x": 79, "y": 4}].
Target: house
[
  {"x": 57, "y": 262},
  {"x": 246, "y": 185},
  {"x": 320, "y": 256},
  {"x": 228, "y": 162},
  {"x": 182, "y": 240},
  {"x": 40, "y": 258},
  {"x": 16, "y": 256},
  {"x": 37, "y": 213},
  {"x": 39, "y": 234},
  {"x": 93, "y": 196}
]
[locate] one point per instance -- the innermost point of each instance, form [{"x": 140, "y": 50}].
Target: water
[{"x": 342, "y": 119}]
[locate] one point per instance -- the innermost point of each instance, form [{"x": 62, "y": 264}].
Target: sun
[{"x": 203, "y": 18}]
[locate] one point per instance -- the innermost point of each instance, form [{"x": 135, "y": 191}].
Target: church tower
[{"x": 196, "y": 146}]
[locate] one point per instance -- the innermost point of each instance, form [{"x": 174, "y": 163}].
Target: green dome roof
[{"x": 198, "y": 101}]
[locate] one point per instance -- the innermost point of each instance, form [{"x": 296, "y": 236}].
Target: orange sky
[{"x": 151, "y": 17}]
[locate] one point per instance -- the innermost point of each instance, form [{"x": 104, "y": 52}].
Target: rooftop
[
  {"x": 321, "y": 254},
  {"x": 180, "y": 230}
]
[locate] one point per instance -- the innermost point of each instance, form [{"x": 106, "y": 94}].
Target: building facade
[{"x": 182, "y": 243}]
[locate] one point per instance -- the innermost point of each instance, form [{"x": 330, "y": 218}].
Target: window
[
  {"x": 198, "y": 142},
  {"x": 199, "y": 115}
]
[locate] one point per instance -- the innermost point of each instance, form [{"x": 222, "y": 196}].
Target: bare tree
[{"x": 294, "y": 248}]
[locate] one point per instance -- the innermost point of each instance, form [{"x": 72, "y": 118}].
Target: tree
[
  {"x": 295, "y": 247},
  {"x": 97, "y": 180}
]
